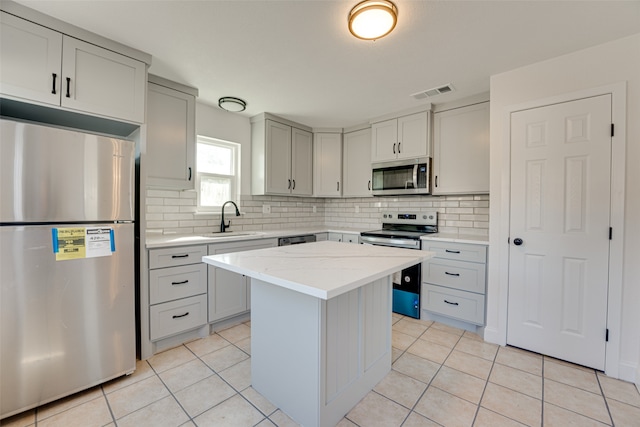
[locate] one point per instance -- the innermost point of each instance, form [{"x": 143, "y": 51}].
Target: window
[{"x": 218, "y": 176}]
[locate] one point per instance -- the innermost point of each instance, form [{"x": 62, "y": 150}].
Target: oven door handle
[{"x": 383, "y": 241}]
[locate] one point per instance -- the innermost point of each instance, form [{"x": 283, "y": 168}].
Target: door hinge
[
  {"x": 612, "y": 132},
  {"x": 610, "y": 233},
  {"x": 606, "y": 335}
]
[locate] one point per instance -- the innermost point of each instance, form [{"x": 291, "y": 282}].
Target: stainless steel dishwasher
[{"x": 296, "y": 240}]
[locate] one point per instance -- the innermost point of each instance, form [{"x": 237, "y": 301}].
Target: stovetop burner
[{"x": 402, "y": 229}]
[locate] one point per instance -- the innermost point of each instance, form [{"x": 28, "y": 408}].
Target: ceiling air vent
[{"x": 433, "y": 92}]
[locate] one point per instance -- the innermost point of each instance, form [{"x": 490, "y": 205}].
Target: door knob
[{"x": 517, "y": 241}]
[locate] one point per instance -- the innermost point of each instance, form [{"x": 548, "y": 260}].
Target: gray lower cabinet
[
  {"x": 454, "y": 281},
  {"x": 229, "y": 294},
  {"x": 177, "y": 290},
  {"x": 344, "y": 237}
]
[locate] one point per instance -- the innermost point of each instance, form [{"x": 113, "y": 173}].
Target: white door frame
[{"x": 618, "y": 93}]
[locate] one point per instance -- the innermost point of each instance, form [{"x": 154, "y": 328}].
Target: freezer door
[
  {"x": 66, "y": 324},
  {"x": 50, "y": 174}
]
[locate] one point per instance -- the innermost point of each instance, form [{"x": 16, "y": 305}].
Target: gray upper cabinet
[
  {"x": 356, "y": 161},
  {"x": 171, "y": 135},
  {"x": 461, "y": 150},
  {"x": 401, "y": 138},
  {"x": 281, "y": 157},
  {"x": 46, "y": 67},
  {"x": 327, "y": 181}
]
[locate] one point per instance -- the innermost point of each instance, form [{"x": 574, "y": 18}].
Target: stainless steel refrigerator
[{"x": 66, "y": 263}]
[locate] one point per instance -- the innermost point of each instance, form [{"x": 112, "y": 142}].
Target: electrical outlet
[
  {"x": 357, "y": 209},
  {"x": 314, "y": 209},
  {"x": 266, "y": 209}
]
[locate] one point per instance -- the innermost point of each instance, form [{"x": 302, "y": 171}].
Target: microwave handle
[{"x": 415, "y": 176}]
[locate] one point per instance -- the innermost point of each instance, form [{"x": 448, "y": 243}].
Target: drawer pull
[
  {"x": 451, "y": 274},
  {"x": 448, "y": 302},
  {"x": 187, "y": 313},
  {"x": 180, "y": 283},
  {"x": 452, "y": 252},
  {"x": 180, "y": 256}
]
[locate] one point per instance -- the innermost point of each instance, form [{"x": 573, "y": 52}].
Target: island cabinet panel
[
  {"x": 342, "y": 366},
  {"x": 321, "y": 365}
]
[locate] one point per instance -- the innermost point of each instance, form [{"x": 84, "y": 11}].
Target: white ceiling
[{"x": 298, "y": 60}]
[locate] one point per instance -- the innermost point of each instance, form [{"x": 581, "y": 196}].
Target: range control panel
[{"x": 413, "y": 218}]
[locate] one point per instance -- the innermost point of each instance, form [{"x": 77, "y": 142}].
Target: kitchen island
[{"x": 321, "y": 323}]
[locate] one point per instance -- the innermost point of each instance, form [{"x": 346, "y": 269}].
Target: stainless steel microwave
[{"x": 402, "y": 177}]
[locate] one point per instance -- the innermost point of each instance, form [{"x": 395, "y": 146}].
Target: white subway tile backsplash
[{"x": 175, "y": 212}]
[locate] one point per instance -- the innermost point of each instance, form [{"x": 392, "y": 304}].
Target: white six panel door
[{"x": 560, "y": 204}]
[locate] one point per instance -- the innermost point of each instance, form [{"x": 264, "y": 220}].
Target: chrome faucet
[{"x": 224, "y": 226}]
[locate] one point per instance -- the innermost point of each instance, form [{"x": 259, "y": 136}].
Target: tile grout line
[
  {"x": 484, "y": 389},
  {"x": 237, "y": 392},
  {"x": 104, "y": 394},
  {"x": 604, "y": 397}
]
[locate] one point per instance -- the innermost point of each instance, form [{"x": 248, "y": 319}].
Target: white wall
[{"x": 601, "y": 65}]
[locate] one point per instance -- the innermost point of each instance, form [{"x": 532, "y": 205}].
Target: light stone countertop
[
  {"x": 153, "y": 240},
  {"x": 322, "y": 269}
]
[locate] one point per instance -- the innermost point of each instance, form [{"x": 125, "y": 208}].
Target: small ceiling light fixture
[
  {"x": 230, "y": 103},
  {"x": 373, "y": 19}
]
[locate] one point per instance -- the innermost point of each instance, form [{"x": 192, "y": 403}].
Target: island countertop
[{"x": 321, "y": 269}]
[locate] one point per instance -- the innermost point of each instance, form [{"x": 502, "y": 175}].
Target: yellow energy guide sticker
[{"x": 69, "y": 242}]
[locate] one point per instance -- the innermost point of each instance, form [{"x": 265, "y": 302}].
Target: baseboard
[
  {"x": 494, "y": 336},
  {"x": 629, "y": 372}
]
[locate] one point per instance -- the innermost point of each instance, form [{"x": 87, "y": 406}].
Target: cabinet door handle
[
  {"x": 294, "y": 184},
  {"x": 338, "y": 186},
  {"x": 184, "y": 282},
  {"x": 452, "y": 252},
  {"x": 394, "y": 148},
  {"x": 289, "y": 186},
  {"x": 53, "y": 87},
  {"x": 452, "y": 274},
  {"x": 189, "y": 173},
  {"x": 68, "y": 87},
  {"x": 452, "y": 303},
  {"x": 369, "y": 185},
  {"x": 436, "y": 181},
  {"x": 180, "y": 256},
  {"x": 399, "y": 147},
  {"x": 180, "y": 315}
]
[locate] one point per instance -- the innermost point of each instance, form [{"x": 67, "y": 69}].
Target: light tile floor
[{"x": 441, "y": 376}]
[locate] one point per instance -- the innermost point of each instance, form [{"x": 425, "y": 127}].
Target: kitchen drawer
[
  {"x": 465, "y": 276},
  {"x": 457, "y": 251},
  {"x": 173, "y": 317},
  {"x": 465, "y": 306},
  {"x": 167, "y": 284},
  {"x": 172, "y": 257}
]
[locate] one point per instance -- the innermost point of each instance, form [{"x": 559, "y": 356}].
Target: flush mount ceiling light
[
  {"x": 229, "y": 103},
  {"x": 373, "y": 19}
]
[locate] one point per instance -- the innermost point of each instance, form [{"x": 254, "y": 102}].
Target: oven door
[{"x": 406, "y": 291}]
